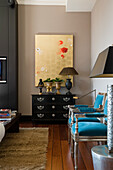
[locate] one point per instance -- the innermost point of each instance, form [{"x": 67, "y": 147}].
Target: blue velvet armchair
[
  {"x": 87, "y": 131},
  {"x": 97, "y": 107}
]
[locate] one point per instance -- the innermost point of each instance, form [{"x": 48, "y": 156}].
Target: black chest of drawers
[{"x": 51, "y": 107}]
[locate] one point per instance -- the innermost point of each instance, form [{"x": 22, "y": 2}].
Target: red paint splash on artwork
[
  {"x": 62, "y": 56},
  {"x": 60, "y": 42},
  {"x": 38, "y": 72},
  {"x": 64, "y": 50}
]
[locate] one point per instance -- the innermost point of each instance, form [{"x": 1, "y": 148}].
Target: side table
[
  {"x": 102, "y": 160},
  {"x": 13, "y": 125}
]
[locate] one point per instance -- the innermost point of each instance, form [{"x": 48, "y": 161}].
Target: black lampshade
[
  {"x": 68, "y": 71},
  {"x": 103, "y": 67}
]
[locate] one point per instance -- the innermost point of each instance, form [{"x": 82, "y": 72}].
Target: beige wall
[
  {"x": 51, "y": 19},
  {"x": 101, "y": 36}
]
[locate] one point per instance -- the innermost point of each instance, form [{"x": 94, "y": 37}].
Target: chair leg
[
  {"x": 69, "y": 134},
  {"x": 72, "y": 147},
  {"x": 76, "y": 155}
]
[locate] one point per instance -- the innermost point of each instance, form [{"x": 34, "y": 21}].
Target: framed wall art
[{"x": 52, "y": 54}]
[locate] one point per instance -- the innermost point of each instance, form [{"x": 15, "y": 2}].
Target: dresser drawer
[
  {"x": 50, "y": 116},
  {"x": 53, "y": 99},
  {"x": 40, "y": 116},
  {"x": 51, "y": 107}
]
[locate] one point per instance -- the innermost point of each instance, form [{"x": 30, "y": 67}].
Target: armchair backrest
[
  {"x": 105, "y": 107},
  {"x": 100, "y": 100}
]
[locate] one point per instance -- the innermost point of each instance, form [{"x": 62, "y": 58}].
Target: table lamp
[{"x": 68, "y": 71}]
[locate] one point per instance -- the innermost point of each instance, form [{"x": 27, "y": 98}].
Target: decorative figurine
[{"x": 40, "y": 85}]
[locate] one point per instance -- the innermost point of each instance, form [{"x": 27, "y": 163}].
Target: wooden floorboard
[
  {"x": 63, "y": 132},
  {"x": 66, "y": 156},
  {"x": 58, "y": 152},
  {"x": 81, "y": 164},
  {"x": 50, "y": 149},
  {"x": 86, "y": 156}
]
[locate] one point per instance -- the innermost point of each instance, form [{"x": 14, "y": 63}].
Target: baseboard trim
[
  {"x": 25, "y": 118},
  {"x": 28, "y": 118}
]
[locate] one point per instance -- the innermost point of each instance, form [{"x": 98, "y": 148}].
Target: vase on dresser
[
  {"x": 58, "y": 86},
  {"x": 49, "y": 86}
]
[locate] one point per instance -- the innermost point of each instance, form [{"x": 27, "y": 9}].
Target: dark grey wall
[{"x": 8, "y": 48}]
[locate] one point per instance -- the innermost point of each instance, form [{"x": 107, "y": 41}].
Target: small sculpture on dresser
[{"x": 40, "y": 85}]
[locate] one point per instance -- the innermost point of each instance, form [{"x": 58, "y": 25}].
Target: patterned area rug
[{"x": 25, "y": 150}]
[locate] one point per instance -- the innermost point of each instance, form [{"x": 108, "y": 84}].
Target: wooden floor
[{"x": 58, "y": 153}]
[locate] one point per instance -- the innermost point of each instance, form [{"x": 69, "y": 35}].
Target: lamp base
[{"x": 68, "y": 93}]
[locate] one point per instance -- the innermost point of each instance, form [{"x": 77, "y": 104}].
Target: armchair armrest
[
  {"x": 71, "y": 106},
  {"x": 100, "y": 106},
  {"x": 85, "y": 110},
  {"x": 77, "y": 115}
]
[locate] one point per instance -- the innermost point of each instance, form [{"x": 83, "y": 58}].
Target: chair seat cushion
[
  {"x": 86, "y": 109},
  {"x": 80, "y": 105},
  {"x": 84, "y": 119},
  {"x": 90, "y": 129}
]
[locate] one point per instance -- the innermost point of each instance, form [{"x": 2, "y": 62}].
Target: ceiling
[
  {"x": 79, "y": 5},
  {"x": 71, "y": 5}
]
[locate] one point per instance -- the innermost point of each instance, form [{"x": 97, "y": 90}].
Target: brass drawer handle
[
  {"x": 40, "y": 107},
  {"x": 40, "y": 115},
  {"x": 53, "y": 98},
  {"x": 53, "y": 107},
  {"x": 40, "y": 99},
  {"x": 66, "y": 99},
  {"x": 65, "y": 107},
  {"x": 53, "y": 115}
]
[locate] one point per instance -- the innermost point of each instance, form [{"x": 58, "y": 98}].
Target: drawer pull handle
[
  {"x": 40, "y": 99},
  {"x": 65, "y": 115},
  {"x": 53, "y": 115},
  {"x": 40, "y": 107},
  {"x": 65, "y": 107},
  {"x": 40, "y": 115},
  {"x": 53, "y": 98},
  {"x": 53, "y": 107},
  {"x": 66, "y": 99}
]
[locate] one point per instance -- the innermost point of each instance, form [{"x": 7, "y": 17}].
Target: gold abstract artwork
[{"x": 52, "y": 54}]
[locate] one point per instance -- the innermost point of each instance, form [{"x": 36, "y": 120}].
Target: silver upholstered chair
[
  {"x": 87, "y": 131},
  {"x": 97, "y": 107}
]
